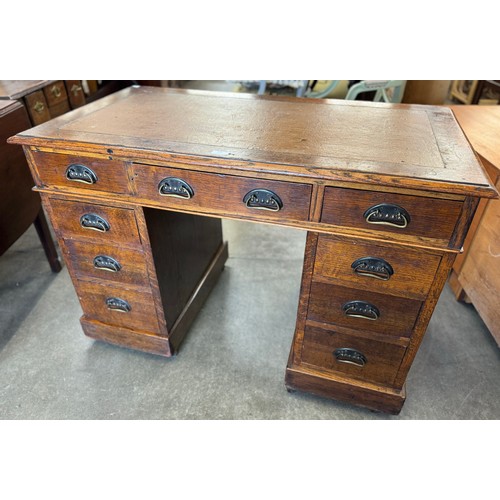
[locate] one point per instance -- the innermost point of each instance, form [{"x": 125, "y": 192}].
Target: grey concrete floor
[{"x": 232, "y": 363}]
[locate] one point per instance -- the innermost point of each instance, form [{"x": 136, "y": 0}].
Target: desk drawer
[
  {"x": 55, "y": 94},
  {"x": 389, "y": 212},
  {"x": 396, "y": 271},
  {"x": 112, "y": 263},
  {"x": 37, "y": 107},
  {"x": 363, "y": 358},
  {"x": 362, "y": 310},
  {"x": 59, "y": 171},
  {"x": 223, "y": 194},
  {"x": 115, "y": 305},
  {"x": 98, "y": 222}
]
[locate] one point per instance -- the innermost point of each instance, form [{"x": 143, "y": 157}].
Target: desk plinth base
[
  {"x": 123, "y": 337},
  {"x": 156, "y": 344},
  {"x": 378, "y": 398}
]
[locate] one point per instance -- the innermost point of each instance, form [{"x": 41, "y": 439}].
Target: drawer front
[
  {"x": 107, "y": 262},
  {"x": 59, "y": 109},
  {"x": 87, "y": 220},
  {"x": 115, "y": 305},
  {"x": 395, "y": 213},
  {"x": 362, "y": 358},
  {"x": 396, "y": 271},
  {"x": 362, "y": 310},
  {"x": 55, "y": 94},
  {"x": 75, "y": 93},
  {"x": 58, "y": 171},
  {"x": 37, "y": 107},
  {"x": 224, "y": 194}
]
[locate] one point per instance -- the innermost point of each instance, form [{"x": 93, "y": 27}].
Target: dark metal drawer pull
[
  {"x": 373, "y": 267},
  {"x": 361, "y": 309},
  {"x": 177, "y": 188},
  {"x": 263, "y": 199},
  {"x": 387, "y": 214},
  {"x": 350, "y": 356},
  {"x": 95, "y": 222},
  {"x": 106, "y": 263},
  {"x": 116, "y": 304},
  {"x": 81, "y": 173}
]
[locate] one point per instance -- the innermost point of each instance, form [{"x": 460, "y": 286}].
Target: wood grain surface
[
  {"x": 413, "y": 270},
  {"x": 326, "y": 139}
]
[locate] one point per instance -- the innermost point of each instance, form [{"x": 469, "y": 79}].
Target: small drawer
[
  {"x": 399, "y": 214},
  {"x": 55, "y": 94},
  {"x": 223, "y": 194},
  {"x": 362, "y": 358},
  {"x": 66, "y": 172},
  {"x": 362, "y": 310},
  {"x": 112, "y": 263},
  {"x": 75, "y": 93},
  {"x": 85, "y": 220},
  {"x": 59, "y": 109},
  {"x": 37, "y": 107},
  {"x": 396, "y": 271},
  {"x": 116, "y": 305}
]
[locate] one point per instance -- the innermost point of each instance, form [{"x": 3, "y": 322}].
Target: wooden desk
[
  {"x": 476, "y": 273},
  {"x": 136, "y": 184}
]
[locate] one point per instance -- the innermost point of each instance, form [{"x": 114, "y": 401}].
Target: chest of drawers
[{"x": 136, "y": 185}]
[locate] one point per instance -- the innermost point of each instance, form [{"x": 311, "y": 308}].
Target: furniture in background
[
  {"x": 44, "y": 99},
  {"x": 20, "y": 206},
  {"x": 136, "y": 187},
  {"x": 482, "y": 89},
  {"x": 384, "y": 90},
  {"x": 476, "y": 272},
  {"x": 426, "y": 91},
  {"x": 463, "y": 90}
]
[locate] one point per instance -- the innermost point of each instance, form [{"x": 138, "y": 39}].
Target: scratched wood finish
[
  {"x": 133, "y": 268},
  {"x": 397, "y": 314},
  {"x": 122, "y": 224},
  {"x": 432, "y": 218},
  {"x": 111, "y": 175},
  {"x": 413, "y": 270},
  {"x": 328, "y": 160},
  {"x": 221, "y": 192},
  {"x": 93, "y": 295},
  {"x": 418, "y": 146},
  {"x": 382, "y": 358}
]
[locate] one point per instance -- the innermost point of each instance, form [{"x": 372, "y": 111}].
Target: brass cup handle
[
  {"x": 361, "y": 309},
  {"x": 263, "y": 199},
  {"x": 116, "y": 304},
  {"x": 373, "y": 267},
  {"x": 56, "y": 91},
  {"x": 387, "y": 214},
  {"x": 176, "y": 188},
  {"x": 350, "y": 356},
  {"x": 95, "y": 222},
  {"x": 81, "y": 173},
  {"x": 39, "y": 106},
  {"x": 106, "y": 263}
]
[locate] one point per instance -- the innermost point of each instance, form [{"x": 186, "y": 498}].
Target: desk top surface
[
  {"x": 481, "y": 125},
  {"x": 15, "y": 89},
  {"x": 408, "y": 146}
]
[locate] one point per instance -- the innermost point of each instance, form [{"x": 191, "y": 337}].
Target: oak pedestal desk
[{"x": 136, "y": 183}]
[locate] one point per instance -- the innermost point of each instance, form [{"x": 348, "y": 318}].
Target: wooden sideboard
[
  {"x": 476, "y": 273},
  {"x": 136, "y": 185}
]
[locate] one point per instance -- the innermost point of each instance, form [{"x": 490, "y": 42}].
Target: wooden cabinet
[
  {"x": 137, "y": 185},
  {"x": 476, "y": 273}
]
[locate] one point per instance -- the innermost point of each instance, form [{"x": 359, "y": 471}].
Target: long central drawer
[{"x": 223, "y": 194}]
